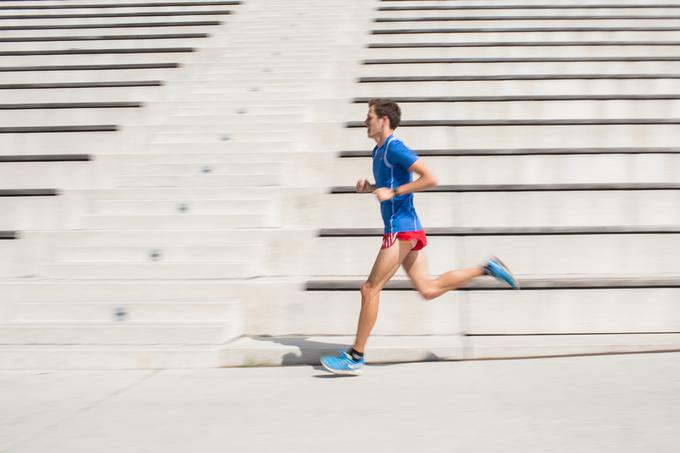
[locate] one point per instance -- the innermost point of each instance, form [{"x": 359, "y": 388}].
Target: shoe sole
[
  {"x": 507, "y": 269},
  {"x": 343, "y": 372}
]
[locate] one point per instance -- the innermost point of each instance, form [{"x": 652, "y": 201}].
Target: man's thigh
[
  {"x": 415, "y": 265},
  {"x": 388, "y": 261}
]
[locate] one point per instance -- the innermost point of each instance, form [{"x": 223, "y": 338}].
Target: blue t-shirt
[{"x": 391, "y": 162}]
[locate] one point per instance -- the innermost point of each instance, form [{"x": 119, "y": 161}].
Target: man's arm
[{"x": 425, "y": 180}]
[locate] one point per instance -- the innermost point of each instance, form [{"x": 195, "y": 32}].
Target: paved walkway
[{"x": 624, "y": 403}]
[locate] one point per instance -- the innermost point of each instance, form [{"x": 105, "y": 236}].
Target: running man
[{"x": 393, "y": 167}]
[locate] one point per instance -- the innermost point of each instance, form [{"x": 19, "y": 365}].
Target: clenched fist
[
  {"x": 363, "y": 186},
  {"x": 384, "y": 194}
]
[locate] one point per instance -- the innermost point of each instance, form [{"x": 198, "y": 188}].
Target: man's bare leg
[
  {"x": 415, "y": 266},
  {"x": 386, "y": 265}
]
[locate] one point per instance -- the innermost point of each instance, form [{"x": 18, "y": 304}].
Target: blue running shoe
[
  {"x": 495, "y": 268},
  {"x": 342, "y": 364}
]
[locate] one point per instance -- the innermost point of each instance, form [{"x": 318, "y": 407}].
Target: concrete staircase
[{"x": 214, "y": 226}]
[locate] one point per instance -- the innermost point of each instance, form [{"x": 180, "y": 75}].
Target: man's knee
[
  {"x": 428, "y": 292},
  {"x": 369, "y": 289}
]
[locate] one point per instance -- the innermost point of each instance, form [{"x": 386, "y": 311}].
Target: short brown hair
[{"x": 388, "y": 108}]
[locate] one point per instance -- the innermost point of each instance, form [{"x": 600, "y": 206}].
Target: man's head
[{"x": 383, "y": 117}]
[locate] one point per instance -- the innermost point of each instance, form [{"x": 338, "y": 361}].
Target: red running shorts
[{"x": 418, "y": 239}]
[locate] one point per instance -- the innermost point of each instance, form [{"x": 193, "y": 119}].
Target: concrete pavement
[{"x": 618, "y": 403}]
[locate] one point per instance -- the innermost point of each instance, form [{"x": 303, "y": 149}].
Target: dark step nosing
[
  {"x": 526, "y": 284},
  {"x": 8, "y": 235},
  {"x": 509, "y": 123},
  {"x": 110, "y": 15},
  {"x": 103, "y": 38},
  {"x": 58, "y": 129},
  {"x": 72, "y": 105},
  {"x": 28, "y": 192},
  {"x": 521, "y": 44},
  {"x": 515, "y": 77},
  {"x": 74, "y": 85},
  {"x": 453, "y": 99},
  {"x": 118, "y": 25},
  {"x": 122, "y": 5},
  {"x": 46, "y": 158},
  {"x": 417, "y": 31},
  {"x": 490, "y": 60},
  {"x": 573, "y": 334},
  {"x": 511, "y": 231},
  {"x": 473, "y": 188},
  {"x": 523, "y": 152},
  {"x": 519, "y": 6},
  {"x": 94, "y": 67},
  {"x": 21, "y": 53},
  {"x": 519, "y": 18}
]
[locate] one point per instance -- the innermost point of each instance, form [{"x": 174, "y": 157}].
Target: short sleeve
[{"x": 400, "y": 155}]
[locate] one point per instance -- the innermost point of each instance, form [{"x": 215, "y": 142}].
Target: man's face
[{"x": 373, "y": 124}]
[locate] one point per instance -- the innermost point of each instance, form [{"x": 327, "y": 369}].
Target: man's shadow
[{"x": 312, "y": 351}]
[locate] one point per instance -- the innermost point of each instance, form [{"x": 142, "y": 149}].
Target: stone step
[
  {"x": 521, "y": 109},
  {"x": 595, "y": 254},
  {"x": 246, "y": 110},
  {"x": 516, "y": 68},
  {"x": 506, "y": 21},
  {"x": 69, "y": 117},
  {"x": 10, "y": 257},
  {"x": 160, "y": 73},
  {"x": 179, "y": 221},
  {"x": 203, "y": 169},
  {"x": 190, "y": 206},
  {"x": 613, "y": 168},
  {"x": 295, "y": 350},
  {"x": 515, "y": 86},
  {"x": 206, "y": 154},
  {"x": 493, "y": 136},
  {"x": 547, "y": 305},
  {"x": 625, "y": 7},
  {"x": 167, "y": 254},
  {"x": 149, "y": 237},
  {"x": 32, "y": 213},
  {"x": 124, "y": 312},
  {"x": 262, "y": 290},
  {"x": 94, "y": 94},
  {"x": 512, "y": 209},
  {"x": 520, "y": 49},
  {"x": 106, "y": 357},
  {"x": 189, "y": 149},
  {"x": 101, "y": 47},
  {"x": 26, "y": 175},
  {"x": 176, "y": 194},
  {"x": 203, "y": 117},
  {"x": 538, "y": 309},
  {"x": 225, "y": 134},
  {"x": 652, "y": 310},
  {"x": 452, "y": 34},
  {"x": 201, "y": 180},
  {"x": 113, "y": 333},
  {"x": 86, "y": 270},
  {"x": 88, "y": 27},
  {"x": 60, "y": 143}
]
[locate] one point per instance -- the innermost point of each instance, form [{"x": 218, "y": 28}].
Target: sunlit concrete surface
[{"x": 619, "y": 403}]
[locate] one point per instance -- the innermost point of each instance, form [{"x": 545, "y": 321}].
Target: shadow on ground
[{"x": 310, "y": 351}]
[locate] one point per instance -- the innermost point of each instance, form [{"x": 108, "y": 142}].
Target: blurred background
[{"x": 176, "y": 178}]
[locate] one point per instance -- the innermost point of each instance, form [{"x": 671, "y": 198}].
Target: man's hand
[
  {"x": 384, "y": 194},
  {"x": 363, "y": 186}
]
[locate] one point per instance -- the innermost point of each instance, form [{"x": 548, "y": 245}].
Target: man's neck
[{"x": 381, "y": 139}]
